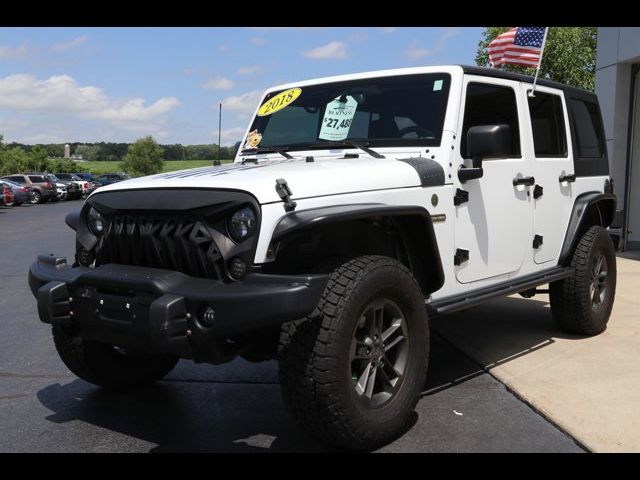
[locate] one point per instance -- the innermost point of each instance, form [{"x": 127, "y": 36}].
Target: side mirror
[
  {"x": 485, "y": 141},
  {"x": 488, "y": 141}
]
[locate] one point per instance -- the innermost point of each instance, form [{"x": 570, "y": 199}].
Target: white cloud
[
  {"x": 249, "y": 69},
  {"x": 63, "y": 46},
  {"x": 62, "y": 94},
  {"x": 218, "y": 83},
  {"x": 416, "y": 52},
  {"x": 388, "y": 29},
  {"x": 259, "y": 41},
  {"x": 288, "y": 28},
  {"x": 243, "y": 105},
  {"x": 332, "y": 50},
  {"x": 10, "y": 53},
  {"x": 229, "y": 136}
]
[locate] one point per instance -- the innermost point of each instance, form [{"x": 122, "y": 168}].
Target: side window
[
  {"x": 36, "y": 179},
  {"x": 491, "y": 105},
  {"x": 547, "y": 123},
  {"x": 590, "y": 143}
]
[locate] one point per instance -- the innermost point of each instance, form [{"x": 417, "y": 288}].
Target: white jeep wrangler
[{"x": 358, "y": 207}]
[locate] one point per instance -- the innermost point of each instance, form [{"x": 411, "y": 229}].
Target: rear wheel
[
  {"x": 352, "y": 372},
  {"x": 109, "y": 366},
  {"x": 582, "y": 303},
  {"x": 36, "y": 198}
]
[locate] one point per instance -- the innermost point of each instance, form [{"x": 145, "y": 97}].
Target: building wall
[{"x": 618, "y": 50}]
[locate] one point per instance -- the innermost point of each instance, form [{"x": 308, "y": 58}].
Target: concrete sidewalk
[{"x": 589, "y": 387}]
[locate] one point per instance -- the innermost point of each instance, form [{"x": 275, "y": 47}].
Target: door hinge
[
  {"x": 461, "y": 196},
  {"x": 537, "y": 241},
  {"x": 461, "y": 256},
  {"x": 537, "y": 191}
]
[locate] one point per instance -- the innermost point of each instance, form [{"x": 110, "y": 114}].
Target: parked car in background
[
  {"x": 89, "y": 177},
  {"x": 6, "y": 195},
  {"x": 21, "y": 193},
  {"x": 109, "y": 178},
  {"x": 43, "y": 189},
  {"x": 75, "y": 185},
  {"x": 61, "y": 188}
]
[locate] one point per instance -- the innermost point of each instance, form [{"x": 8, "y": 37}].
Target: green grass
[{"x": 169, "y": 166}]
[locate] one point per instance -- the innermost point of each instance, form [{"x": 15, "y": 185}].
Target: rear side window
[
  {"x": 589, "y": 151},
  {"x": 37, "y": 179},
  {"x": 590, "y": 143},
  {"x": 547, "y": 123},
  {"x": 491, "y": 105},
  {"x": 17, "y": 179}
]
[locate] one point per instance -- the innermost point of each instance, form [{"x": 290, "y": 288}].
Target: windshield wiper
[
  {"x": 348, "y": 143},
  {"x": 281, "y": 151}
]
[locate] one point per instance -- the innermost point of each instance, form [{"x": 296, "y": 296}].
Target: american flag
[{"x": 518, "y": 46}]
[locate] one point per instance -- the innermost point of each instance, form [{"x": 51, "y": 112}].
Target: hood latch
[{"x": 284, "y": 192}]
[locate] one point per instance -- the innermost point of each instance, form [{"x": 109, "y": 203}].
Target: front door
[{"x": 495, "y": 225}]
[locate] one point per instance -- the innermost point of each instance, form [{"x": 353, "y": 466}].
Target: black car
[{"x": 21, "y": 193}]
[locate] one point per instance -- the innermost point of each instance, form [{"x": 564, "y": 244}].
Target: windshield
[{"x": 398, "y": 111}]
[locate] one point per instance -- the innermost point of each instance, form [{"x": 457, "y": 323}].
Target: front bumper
[{"x": 162, "y": 311}]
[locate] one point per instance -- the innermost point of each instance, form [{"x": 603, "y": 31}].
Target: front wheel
[
  {"x": 109, "y": 366},
  {"x": 352, "y": 372},
  {"x": 582, "y": 303}
]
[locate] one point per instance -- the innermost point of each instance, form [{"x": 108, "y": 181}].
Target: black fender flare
[
  {"x": 414, "y": 224},
  {"x": 586, "y": 207}
]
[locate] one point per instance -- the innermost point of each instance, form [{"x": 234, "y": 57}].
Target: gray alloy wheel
[
  {"x": 36, "y": 198},
  {"x": 599, "y": 281},
  {"x": 378, "y": 354}
]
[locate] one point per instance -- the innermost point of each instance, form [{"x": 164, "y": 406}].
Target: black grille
[{"x": 172, "y": 242}]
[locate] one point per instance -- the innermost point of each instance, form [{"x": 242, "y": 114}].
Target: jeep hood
[{"x": 323, "y": 176}]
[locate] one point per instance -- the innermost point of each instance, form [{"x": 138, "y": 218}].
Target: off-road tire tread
[
  {"x": 307, "y": 367},
  {"x": 570, "y": 306},
  {"x": 100, "y": 364}
]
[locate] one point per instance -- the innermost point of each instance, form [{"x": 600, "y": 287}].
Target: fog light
[
  {"x": 237, "y": 268},
  {"x": 209, "y": 316},
  {"x": 85, "y": 257}
]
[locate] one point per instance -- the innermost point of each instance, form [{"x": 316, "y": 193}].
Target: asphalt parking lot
[{"x": 230, "y": 408}]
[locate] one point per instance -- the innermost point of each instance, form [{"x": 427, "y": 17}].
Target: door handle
[
  {"x": 571, "y": 177},
  {"x": 524, "y": 181}
]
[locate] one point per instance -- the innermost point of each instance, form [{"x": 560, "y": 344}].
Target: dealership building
[{"x": 618, "y": 89}]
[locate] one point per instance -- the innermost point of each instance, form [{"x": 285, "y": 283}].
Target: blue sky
[{"x": 118, "y": 84}]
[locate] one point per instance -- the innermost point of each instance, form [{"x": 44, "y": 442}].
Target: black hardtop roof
[{"x": 494, "y": 72}]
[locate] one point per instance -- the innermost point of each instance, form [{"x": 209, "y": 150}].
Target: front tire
[
  {"x": 352, "y": 372},
  {"x": 582, "y": 303},
  {"x": 107, "y": 366}
]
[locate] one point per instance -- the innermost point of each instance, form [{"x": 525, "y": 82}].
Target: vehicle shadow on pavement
[
  {"x": 501, "y": 330},
  {"x": 200, "y": 415}
]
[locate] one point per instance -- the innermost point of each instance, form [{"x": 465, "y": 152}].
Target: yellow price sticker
[{"x": 280, "y": 101}]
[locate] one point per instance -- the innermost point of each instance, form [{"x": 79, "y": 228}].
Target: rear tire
[
  {"x": 104, "y": 365},
  {"x": 352, "y": 372},
  {"x": 36, "y": 198},
  {"x": 582, "y": 303}
]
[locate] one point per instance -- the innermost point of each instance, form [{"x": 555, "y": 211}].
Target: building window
[
  {"x": 491, "y": 105},
  {"x": 547, "y": 123}
]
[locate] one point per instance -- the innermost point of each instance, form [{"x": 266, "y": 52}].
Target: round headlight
[
  {"x": 95, "y": 221},
  {"x": 242, "y": 224}
]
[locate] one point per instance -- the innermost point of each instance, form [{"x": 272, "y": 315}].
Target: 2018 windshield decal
[{"x": 280, "y": 101}]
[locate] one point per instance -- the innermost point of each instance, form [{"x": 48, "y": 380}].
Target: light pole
[{"x": 217, "y": 162}]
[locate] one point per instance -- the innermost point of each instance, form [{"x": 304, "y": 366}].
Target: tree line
[
  {"x": 143, "y": 157},
  {"x": 110, "y": 151}
]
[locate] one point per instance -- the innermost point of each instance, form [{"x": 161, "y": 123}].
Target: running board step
[{"x": 476, "y": 297}]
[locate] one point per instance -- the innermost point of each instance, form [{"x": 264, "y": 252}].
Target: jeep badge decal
[{"x": 283, "y": 99}]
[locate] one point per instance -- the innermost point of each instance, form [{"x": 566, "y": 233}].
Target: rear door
[{"x": 548, "y": 144}]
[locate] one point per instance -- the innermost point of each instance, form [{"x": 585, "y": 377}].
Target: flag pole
[{"x": 532, "y": 93}]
